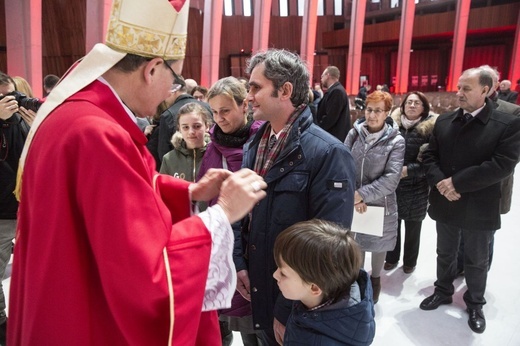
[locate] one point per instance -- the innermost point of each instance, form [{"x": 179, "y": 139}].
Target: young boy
[{"x": 318, "y": 267}]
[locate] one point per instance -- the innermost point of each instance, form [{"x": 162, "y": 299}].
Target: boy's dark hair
[{"x": 322, "y": 253}]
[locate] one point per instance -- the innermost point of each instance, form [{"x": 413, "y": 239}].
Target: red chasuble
[{"x": 89, "y": 265}]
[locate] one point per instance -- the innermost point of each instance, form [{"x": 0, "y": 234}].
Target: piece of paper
[{"x": 370, "y": 222}]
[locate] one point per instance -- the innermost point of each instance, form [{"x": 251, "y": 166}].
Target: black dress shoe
[
  {"x": 390, "y": 266},
  {"x": 476, "y": 321},
  {"x": 408, "y": 270},
  {"x": 434, "y": 301}
]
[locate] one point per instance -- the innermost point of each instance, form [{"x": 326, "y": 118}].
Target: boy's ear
[{"x": 315, "y": 290}]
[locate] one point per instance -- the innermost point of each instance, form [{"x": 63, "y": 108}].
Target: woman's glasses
[
  {"x": 377, "y": 111},
  {"x": 414, "y": 102}
]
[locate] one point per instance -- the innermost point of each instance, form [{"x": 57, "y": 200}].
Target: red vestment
[{"x": 88, "y": 266}]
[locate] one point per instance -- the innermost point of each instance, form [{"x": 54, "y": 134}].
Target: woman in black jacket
[{"x": 416, "y": 126}]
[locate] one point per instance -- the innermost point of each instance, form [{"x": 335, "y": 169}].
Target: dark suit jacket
[
  {"x": 477, "y": 155},
  {"x": 507, "y": 183},
  {"x": 334, "y": 112},
  {"x": 508, "y": 96}
]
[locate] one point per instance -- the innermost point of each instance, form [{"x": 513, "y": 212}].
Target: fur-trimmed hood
[{"x": 424, "y": 127}]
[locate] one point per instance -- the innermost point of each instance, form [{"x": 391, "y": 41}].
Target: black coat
[
  {"x": 13, "y": 133},
  {"x": 507, "y": 183},
  {"x": 508, "y": 96},
  {"x": 412, "y": 191},
  {"x": 477, "y": 155},
  {"x": 334, "y": 112}
]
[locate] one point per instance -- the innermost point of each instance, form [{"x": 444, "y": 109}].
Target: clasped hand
[
  {"x": 238, "y": 192},
  {"x": 446, "y": 188}
]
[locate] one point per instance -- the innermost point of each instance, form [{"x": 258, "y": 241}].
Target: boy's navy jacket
[{"x": 338, "y": 324}]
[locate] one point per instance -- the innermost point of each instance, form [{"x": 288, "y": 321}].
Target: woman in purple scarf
[{"x": 232, "y": 129}]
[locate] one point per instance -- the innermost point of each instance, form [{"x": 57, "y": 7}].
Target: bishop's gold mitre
[{"x": 149, "y": 28}]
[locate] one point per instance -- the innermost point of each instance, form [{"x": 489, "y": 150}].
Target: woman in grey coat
[{"x": 378, "y": 150}]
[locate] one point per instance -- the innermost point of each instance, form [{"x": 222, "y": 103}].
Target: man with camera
[{"x": 14, "y": 126}]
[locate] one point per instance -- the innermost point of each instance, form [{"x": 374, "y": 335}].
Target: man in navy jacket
[{"x": 310, "y": 174}]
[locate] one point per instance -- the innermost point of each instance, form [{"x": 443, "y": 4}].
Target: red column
[
  {"x": 23, "y": 23},
  {"x": 355, "y": 46},
  {"x": 514, "y": 70},
  {"x": 261, "y": 25},
  {"x": 211, "y": 41},
  {"x": 98, "y": 13},
  {"x": 459, "y": 43},
  {"x": 308, "y": 42},
  {"x": 405, "y": 45}
]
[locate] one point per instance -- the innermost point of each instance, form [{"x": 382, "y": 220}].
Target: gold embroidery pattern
[{"x": 143, "y": 41}]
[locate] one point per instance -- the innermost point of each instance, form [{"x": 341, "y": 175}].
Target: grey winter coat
[
  {"x": 412, "y": 191},
  {"x": 378, "y": 171}
]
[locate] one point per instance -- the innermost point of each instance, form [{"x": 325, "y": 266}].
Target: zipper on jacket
[
  {"x": 194, "y": 164},
  {"x": 386, "y": 207}
]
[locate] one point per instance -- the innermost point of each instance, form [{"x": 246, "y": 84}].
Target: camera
[{"x": 24, "y": 101}]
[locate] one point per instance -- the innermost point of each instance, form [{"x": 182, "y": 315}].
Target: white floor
[{"x": 399, "y": 321}]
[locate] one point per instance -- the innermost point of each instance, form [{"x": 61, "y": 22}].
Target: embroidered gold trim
[{"x": 144, "y": 41}]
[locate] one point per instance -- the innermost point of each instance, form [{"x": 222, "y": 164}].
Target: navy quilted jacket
[{"x": 338, "y": 324}]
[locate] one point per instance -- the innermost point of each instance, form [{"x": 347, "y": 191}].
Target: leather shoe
[
  {"x": 434, "y": 301},
  {"x": 476, "y": 321},
  {"x": 408, "y": 270},
  {"x": 390, "y": 266}
]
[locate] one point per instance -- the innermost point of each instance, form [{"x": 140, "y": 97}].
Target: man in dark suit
[
  {"x": 470, "y": 152},
  {"x": 507, "y": 183},
  {"x": 333, "y": 111}
]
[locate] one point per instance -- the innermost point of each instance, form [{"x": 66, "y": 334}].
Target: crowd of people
[{"x": 247, "y": 227}]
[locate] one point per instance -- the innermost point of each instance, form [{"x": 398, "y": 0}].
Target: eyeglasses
[
  {"x": 177, "y": 81},
  {"x": 414, "y": 102},
  {"x": 377, "y": 111}
]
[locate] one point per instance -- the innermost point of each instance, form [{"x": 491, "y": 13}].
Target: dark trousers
[
  {"x": 268, "y": 338},
  {"x": 460, "y": 255},
  {"x": 476, "y": 261},
  {"x": 412, "y": 240}
]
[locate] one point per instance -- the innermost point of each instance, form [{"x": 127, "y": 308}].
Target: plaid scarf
[{"x": 265, "y": 157}]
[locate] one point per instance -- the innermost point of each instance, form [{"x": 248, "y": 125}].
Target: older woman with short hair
[{"x": 378, "y": 150}]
